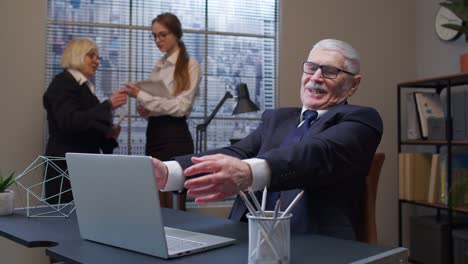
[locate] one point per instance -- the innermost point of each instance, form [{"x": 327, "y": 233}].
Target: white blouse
[{"x": 180, "y": 105}]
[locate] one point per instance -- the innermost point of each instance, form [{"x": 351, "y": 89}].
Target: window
[{"x": 234, "y": 41}]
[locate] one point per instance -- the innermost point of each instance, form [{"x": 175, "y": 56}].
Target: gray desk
[{"x": 62, "y": 238}]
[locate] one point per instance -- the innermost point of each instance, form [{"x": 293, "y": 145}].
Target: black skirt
[{"x": 167, "y": 137}]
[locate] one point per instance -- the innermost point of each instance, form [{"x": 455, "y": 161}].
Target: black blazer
[
  {"x": 77, "y": 121},
  {"x": 330, "y": 163}
]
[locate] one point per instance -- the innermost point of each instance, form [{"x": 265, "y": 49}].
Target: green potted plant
[{"x": 7, "y": 197}]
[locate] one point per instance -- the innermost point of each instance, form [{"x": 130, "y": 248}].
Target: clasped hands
[
  {"x": 119, "y": 98},
  {"x": 132, "y": 89},
  {"x": 224, "y": 176}
]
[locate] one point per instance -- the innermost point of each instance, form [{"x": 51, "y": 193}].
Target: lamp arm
[
  {"x": 201, "y": 128},
  {"x": 227, "y": 95}
]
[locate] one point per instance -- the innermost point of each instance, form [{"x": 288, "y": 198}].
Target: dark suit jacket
[
  {"x": 77, "y": 121},
  {"x": 330, "y": 163}
]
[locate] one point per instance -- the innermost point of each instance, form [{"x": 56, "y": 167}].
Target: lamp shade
[{"x": 244, "y": 104}]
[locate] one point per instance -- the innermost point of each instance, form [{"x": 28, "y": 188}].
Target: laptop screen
[{"x": 117, "y": 201}]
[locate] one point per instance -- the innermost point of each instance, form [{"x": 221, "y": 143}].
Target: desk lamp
[{"x": 244, "y": 105}]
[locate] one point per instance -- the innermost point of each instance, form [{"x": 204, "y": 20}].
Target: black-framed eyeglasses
[
  {"x": 328, "y": 72},
  {"x": 161, "y": 35}
]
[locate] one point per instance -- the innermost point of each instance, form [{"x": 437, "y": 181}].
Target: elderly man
[{"x": 324, "y": 147}]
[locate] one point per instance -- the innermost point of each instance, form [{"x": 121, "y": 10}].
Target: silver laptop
[{"x": 117, "y": 203}]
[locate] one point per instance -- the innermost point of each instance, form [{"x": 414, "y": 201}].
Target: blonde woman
[
  {"x": 167, "y": 133},
  {"x": 77, "y": 121}
]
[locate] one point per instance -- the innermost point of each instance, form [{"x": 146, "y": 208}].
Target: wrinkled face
[
  {"x": 318, "y": 92},
  {"x": 165, "y": 40},
  {"x": 91, "y": 63}
]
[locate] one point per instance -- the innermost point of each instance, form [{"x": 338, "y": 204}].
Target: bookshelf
[
  {"x": 437, "y": 84},
  {"x": 434, "y": 142},
  {"x": 435, "y": 205}
]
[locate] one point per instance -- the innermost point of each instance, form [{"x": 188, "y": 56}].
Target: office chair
[
  {"x": 367, "y": 228},
  {"x": 166, "y": 199}
]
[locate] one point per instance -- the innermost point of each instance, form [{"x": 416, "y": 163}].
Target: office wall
[
  {"x": 23, "y": 33},
  {"x": 22, "y": 53},
  {"x": 384, "y": 34},
  {"x": 434, "y": 57}
]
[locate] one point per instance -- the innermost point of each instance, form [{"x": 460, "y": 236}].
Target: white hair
[
  {"x": 352, "y": 61},
  {"x": 75, "y": 51}
]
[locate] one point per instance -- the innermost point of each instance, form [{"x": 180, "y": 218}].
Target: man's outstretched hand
[{"x": 225, "y": 177}]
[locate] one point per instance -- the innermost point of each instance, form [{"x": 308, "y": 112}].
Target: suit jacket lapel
[
  {"x": 90, "y": 97},
  {"x": 318, "y": 125},
  {"x": 290, "y": 124},
  {"x": 89, "y": 94},
  {"x": 322, "y": 123}
]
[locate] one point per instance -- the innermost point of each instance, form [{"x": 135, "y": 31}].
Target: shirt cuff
[
  {"x": 143, "y": 97},
  {"x": 175, "y": 177},
  {"x": 260, "y": 173}
]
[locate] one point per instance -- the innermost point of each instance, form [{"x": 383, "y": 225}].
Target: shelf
[
  {"x": 438, "y": 82},
  {"x": 435, "y": 205},
  {"x": 433, "y": 142}
]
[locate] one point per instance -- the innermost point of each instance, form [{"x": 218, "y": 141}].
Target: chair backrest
[{"x": 367, "y": 227}]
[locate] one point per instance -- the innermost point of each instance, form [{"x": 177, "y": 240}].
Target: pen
[
  {"x": 248, "y": 204},
  {"x": 277, "y": 207},
  {"x": 275, "y": 221},
  {"x": 264, "y": 195},
  {"x": 255, "y": 201},
  {"x": 293, "y": 203}
]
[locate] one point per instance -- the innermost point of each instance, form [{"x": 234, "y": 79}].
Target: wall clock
[{"x": 445, "y": 16}]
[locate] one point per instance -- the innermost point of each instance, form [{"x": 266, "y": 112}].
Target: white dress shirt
[
  {"x": 260, "y": 169},
  {"x": 180, "y": 105}
]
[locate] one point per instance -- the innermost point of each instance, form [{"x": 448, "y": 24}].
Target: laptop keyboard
[{"x": 180, "y": 244}]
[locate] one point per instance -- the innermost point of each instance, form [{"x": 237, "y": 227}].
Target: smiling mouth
[{"x": 316, "y": 90}]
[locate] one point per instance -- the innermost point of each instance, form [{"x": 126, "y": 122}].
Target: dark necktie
[
  {"x": 296, "y": 135},
  {"x": 293, "y": 137}
]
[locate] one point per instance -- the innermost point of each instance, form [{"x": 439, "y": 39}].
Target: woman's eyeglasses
[{"x": 160, "y": 35}]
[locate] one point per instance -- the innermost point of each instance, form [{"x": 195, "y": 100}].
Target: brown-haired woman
[{"x": 167, "y": 133}]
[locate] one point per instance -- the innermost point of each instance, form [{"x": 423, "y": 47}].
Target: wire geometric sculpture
[{"x": 33, "y": 180}]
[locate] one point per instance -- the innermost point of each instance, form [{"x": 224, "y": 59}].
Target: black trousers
[{"x": 56, "y": 184}]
